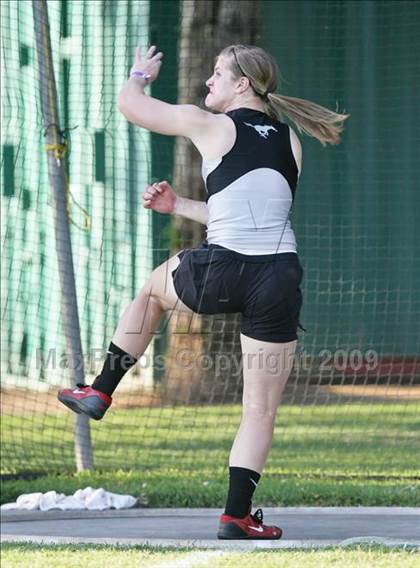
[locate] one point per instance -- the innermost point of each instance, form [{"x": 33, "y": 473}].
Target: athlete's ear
[{"x": 243, "y": 84}]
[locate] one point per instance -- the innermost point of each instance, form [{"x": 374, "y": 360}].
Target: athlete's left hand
[{"x": 150, "y": 64}]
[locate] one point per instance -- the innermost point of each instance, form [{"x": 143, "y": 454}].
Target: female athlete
[{"x": 251, "y": 164}]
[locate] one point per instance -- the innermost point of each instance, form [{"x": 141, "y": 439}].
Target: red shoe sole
[
  {"x": 79, "y": 407},
  {"x": 231, "y": 531}
]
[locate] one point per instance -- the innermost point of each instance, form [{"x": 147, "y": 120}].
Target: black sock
[
  {"x": 242, "y": 484},
  {"x": 117, "y": 363}
]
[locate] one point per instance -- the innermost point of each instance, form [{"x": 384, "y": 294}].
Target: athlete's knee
[
  {"x": 156, "y": 303},
  {"x": 150, "y": 297},
  {"x": 262, "y": 412},
  {"x": 158, "y": 286}
]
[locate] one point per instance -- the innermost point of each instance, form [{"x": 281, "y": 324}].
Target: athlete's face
[{"x": 222, "y": 86}]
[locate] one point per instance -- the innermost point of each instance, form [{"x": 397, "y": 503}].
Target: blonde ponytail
[
  {"x": 315, "y": 120},
  {"x": 263, "y": 73}
]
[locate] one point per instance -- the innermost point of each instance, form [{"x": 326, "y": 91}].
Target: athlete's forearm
[
  {"x": 191, "y": 209},
  {"x": 130, "y": 97}
]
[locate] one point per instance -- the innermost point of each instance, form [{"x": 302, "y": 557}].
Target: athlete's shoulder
[
  {"x": 199, "y": 119},
  {"x": 195, "y": 118}
]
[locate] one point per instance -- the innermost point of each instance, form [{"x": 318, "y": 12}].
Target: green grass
[
  {"x": 167, "y": 488},
  {"x": 350, "y": 454},
  {"x": 89, "y": 556}
]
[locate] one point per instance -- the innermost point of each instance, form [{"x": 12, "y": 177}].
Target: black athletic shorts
[{"x": 265, "y": 289}]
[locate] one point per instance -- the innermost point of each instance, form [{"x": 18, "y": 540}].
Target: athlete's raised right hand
[{"x": 160, "y": 197}]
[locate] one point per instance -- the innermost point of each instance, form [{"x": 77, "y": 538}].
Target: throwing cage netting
[{"x": 355, "y": 386}]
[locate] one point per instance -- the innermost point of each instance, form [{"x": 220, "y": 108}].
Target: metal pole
[{"x": 57, "y": 176}]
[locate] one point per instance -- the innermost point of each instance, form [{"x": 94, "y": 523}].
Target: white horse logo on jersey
[{"x": 262, "y": 130}]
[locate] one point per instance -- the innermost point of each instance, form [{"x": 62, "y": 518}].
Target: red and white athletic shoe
[
  {"x": 85, "y": 400},
  {"x": 250, "y": 527}
]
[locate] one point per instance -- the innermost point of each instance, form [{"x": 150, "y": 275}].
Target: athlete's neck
[{"x": 250, "y": 106}]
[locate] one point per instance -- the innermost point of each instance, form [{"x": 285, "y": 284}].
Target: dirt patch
[
  {"x": 23, "y": 401},
  {"x": 393, "y": 392},
  {"x": 20, "y": 402}
]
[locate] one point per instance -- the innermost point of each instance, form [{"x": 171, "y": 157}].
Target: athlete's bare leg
[
  {"x": 140, "y": 320},
  {"x": 266, "y": 368}
]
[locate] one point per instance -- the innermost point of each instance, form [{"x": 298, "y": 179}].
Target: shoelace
[{"x": 258, "y": 516}]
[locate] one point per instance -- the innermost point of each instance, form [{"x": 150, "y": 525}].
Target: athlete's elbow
[
  {"x": 127, "y": 101},
  {"x": 122, "y": 103},
  {"x": 125, "y": 106}
]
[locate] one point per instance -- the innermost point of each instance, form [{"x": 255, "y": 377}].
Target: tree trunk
[{"x": 198, "y": 349}]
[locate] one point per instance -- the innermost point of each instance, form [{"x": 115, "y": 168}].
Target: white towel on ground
[{"x": 88, "y": 498}]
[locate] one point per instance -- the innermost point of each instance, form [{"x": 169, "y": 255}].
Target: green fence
[
  {"x": 356, "y": 204},
  {"x": 108, "y": 164}
]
